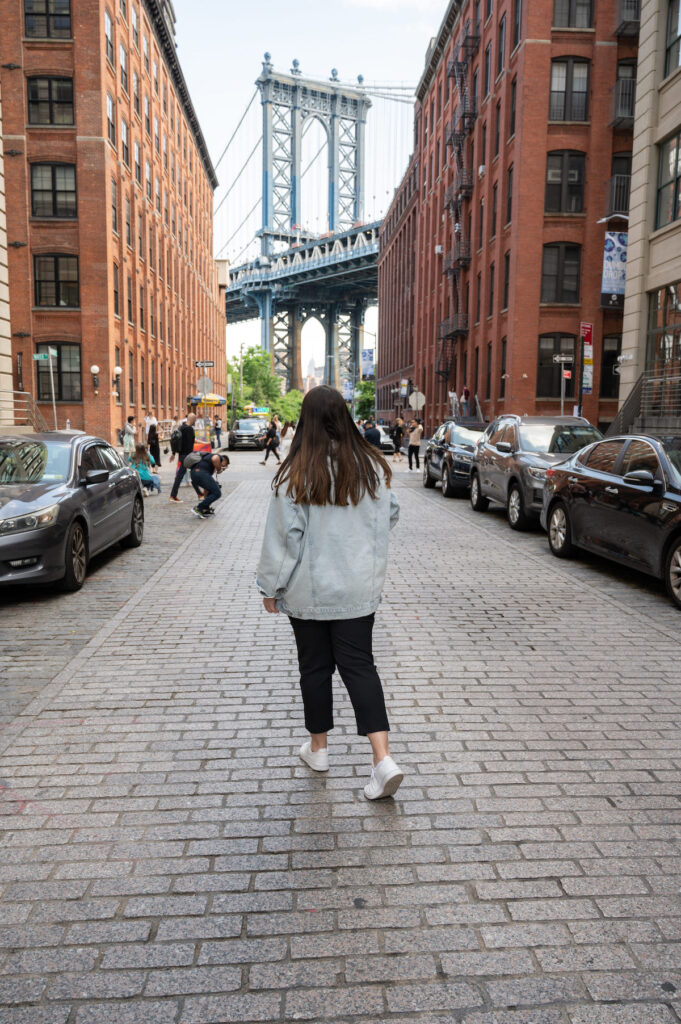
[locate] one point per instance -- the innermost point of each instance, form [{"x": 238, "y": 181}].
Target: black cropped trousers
[{"x": 344, "y": 644}]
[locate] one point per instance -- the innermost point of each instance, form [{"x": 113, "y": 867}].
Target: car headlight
[
  {"x": 536, "y": 472},
  {"x": 464, "y": 458},
  {"x": 31, "y": 521}
]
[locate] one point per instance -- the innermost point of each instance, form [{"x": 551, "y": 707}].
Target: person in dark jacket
[
  {"x": 203, "y": 480},
  {"x": 154, "y": 443},
  {"x": 186, "y": 445},
  {"x": 271, "y": 443},
  {"x": 372, "y": 434}
]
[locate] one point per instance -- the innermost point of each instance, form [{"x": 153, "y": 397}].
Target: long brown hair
[{"x": 330, "y": 463}]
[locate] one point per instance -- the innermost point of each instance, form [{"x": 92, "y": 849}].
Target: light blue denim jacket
[{"x": 326, "y": 561}]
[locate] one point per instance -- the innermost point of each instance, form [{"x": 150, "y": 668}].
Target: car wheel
[
  {"x": 447, "y": 489},
  {"x": 427, "y": 478},
  {"x": 478, "y": 503},
  {"x": 76, "y": 558},
  {"x": 134, "y": 538},
  {"x": 672, "y": 572},
  {"x": 559, "y": 531},
  {"x": 517, "y": 517}
]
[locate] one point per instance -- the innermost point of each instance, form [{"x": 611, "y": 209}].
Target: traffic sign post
[
  {"x": 565, "y": 375},
  {"x": 586, "y": 362},
  {"x": 49, "y": 358},
  {"x": 203, "y": 363}
]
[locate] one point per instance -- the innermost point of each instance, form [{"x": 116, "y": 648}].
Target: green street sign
[
  {"x": 53, "y": 352},
  {"x": 42, "y": 356}
]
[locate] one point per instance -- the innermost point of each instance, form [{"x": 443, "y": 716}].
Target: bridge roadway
[{"x": 166, "y": 858}]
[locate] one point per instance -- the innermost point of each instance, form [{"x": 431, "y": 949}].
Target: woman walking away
[
  {"x": 271, "y": 443},
  {"x": 154, "y": 443},
  {"x": 398, "y": 438},
  {"x": 323, "y": 564}
]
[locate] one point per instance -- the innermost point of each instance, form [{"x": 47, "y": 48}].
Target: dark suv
[
  {"x": 513, "y": 455},
  {"x": 247, "y": 433}
]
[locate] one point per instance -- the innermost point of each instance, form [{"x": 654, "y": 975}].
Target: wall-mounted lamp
[
  {"x": 117, "y": 371},
  {"x": 94, "y": 370}
]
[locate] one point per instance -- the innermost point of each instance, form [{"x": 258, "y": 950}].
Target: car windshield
[
  {"x": 23, "y": 461},
  {"x": 464, "y": 436},
  {"x": 248, "y": 426},
  {"x": 672, "y": 447},
  {"x": 558, "y": 438}
]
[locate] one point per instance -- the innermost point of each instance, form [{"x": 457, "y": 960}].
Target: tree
[
  {"x": 261, "y": 386},
  {"x": 364, "y": 404}
]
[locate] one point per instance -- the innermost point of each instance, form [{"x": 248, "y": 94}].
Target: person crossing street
[
  {"x": 185, "y": 446},
  {"x": 203, "y": 479}
]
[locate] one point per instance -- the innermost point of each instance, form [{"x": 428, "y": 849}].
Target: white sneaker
[
  {"x": 385, "y": 780},
  {"x": 317, "y": 760}
]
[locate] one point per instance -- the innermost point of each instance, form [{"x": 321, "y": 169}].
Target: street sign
[
  {"x": 204, "y": 362},
  {"x": 204, "y": 385},
  {"x": 42, "y": 356},
  {"x": 586, "y": 334},
  {"x": 53, "y": 352},
  {"x": 563, "y": 359},
  {"x": 417, "y": 400},
  {"x": 567, "y": 374}
]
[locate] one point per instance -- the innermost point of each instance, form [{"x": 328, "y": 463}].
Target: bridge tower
[{"x": 288, "y": 101}]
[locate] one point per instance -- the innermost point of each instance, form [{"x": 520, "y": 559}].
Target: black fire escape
[{"x": 459, "y": 257}]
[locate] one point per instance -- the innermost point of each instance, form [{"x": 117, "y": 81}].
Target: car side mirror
[
  {"x": 505, "y": 447},
  {"x": 96, "y": 476},
  {"x": 640, "y": 478}
]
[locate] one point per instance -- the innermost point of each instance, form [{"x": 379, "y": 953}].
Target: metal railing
[
  {"x": 622, "y": 103},
  {"x": 459, "y": 256},
  {"x": 627, "y": 17},
  {"x": 18, "y": 409},
  {"x": 617, "y": 195},
  {"x": 653, "y": 404},
  {"x": 628, "y": 412},
  {"x": 453, "y": 325}
]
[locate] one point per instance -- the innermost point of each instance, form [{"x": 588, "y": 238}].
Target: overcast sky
[{"x": 221, "y": 45}]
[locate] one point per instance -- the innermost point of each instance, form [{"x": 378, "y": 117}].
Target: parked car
[
  {"x": 64, "y": 496},
  {"x": 247, "y": 433},
  {"x": 513, "y": 455},
  {"x": 620, "y": 498},
  {"x": 449, "y": 456}
]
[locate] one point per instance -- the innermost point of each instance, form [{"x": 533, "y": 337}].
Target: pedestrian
[
  {"x": 372, "y": 434},
  {"x": 323, "y": 564},
  {"x": 143, "y": 462},
  {"x": 129, "y": 435},
  {"x": 271, "y": 443},
  {"x": 202, "y": 474},
  {"x": 286, "y": 437},
  {"x": 398, "y": 438},
  {"x": 415, "y": 435},
  {"x": 218, "y": 429},
  {"x": 154, "y": 443},
  {"x": 185, "y": 445},
  {"x": 149, "y": 421},
  {"x": 466, "y": 401}
]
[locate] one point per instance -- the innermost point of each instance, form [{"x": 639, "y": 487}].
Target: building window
[
  {"x": 664, "y": 330},
  {"x": 147, "y": 117},
  {"x": 114, "y": 205},
  {"x": 477, "y": 298},
  {"x": 493, "y": 225},
  {"x": 142, "y": 323},
  {"x": 483, "y": 144},
  {"x": 481, "y": 223},
  {"x": 517, "y": 21},
  {"x": 53, "y": 190},
  {"x": 488, "y": 373},
  {"x": 155, "y": 76},
  {"x": 138, "y": 164},
  {"x": 564, "y": 182},
  {"x": 165, "y": 152},
  {"x": 110, "y": 120},
  {"x": 488, "y": 9},
  {"x": 511, "y": 116},
  {"x": 128, "y": 225},
  {"x": 145, "y": 53},
  {"x": 147, "y": 168},
  {"x": 569, "y": 89},
  {"x": 158, "y": 195},
  {"x": 47, "y": 19},
  {"x": 66, "y": 373},
  {"x": 56, "y": 281},
  {"x": 152, "y": 325},
  {"x": 123, "y": 54},
  {"x": 610, "y": 381},
  {"x": 157, "y": 138},
  {"x": 572, "y": 13},
  {"x": 115, "y": 290},
  {"x": 143, "y": 397},
  {"x": 140, "y": 237},
  {"x": 507, "y": 279},
  {"x": 673, "y": 55},
  {"x": 509, "y": 194},
  {"x": 497, "y": 128},
  {"x": 124, "y": 12},
  {"x": 117, "y": 379},
  {"x": 490, "y": 304},
  {"x": 549, "y": 374},
  {"x": 502, "y": 382},
  {"x": 501, "y": 46},
  {"x": 151, "y": 248},
  {"x": 165, "y": 98},
  {"x": 136, "y": 92},
  {"x": 108, "y": 36},
  {"x": 135, "y": 28},
  {"x": 125, "y": 142},
  {"x": 560, "y": 273},
  {"x": 131, "y": 376},
  {"x": 131, "y": 303},
  {"x": 487, "y": 79},
  {"x": 669, "y": 182},
  {"x": 50, "y": 101}
]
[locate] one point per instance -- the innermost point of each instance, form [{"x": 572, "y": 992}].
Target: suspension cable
[
  {"x": 236, "y": 232},
  {"x": 241, "y": 171},
  {"x": 243, "y": 116}
]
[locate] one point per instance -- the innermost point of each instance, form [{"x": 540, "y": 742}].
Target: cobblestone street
[{"x": 167, "y": 859}]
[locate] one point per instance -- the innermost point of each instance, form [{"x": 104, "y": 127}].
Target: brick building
[
  {"x": 523, "y": 134},
  {"x": 109, "y": 211}
]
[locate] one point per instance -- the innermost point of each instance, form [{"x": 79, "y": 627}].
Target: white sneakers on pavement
[
  {"x": 317, "y": 760},
  {"x": 385, "y": 780}
]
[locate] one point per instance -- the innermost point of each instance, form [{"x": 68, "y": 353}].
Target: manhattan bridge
[{"x": 305, "y": 244}]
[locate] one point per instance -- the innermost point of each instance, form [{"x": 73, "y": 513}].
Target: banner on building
[
  {"x": 614, "y": 270},
  {"x": 586, "y": 332},
  {"x": 347, "y": 390},
  {"x": 367, "y": 364}
]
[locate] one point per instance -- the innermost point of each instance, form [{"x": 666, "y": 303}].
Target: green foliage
[
  {"x": 260, "y": 386},
  {"x": 364, "y": 405},
  {"x": 288, "y": 406}
]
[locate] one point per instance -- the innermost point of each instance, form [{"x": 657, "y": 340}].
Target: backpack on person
[
  {"x": 175, "y": 441},
  {"x": 192, "y": 460}
]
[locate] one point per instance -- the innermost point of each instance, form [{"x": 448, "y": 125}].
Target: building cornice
[{"x": 438, "y": 47}]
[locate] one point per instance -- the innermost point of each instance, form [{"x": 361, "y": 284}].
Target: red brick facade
[
  {"x": 147, "y": 221},
  {"x": 490, "y": 335}
]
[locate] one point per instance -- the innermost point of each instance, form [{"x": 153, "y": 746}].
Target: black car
[
  {"x": 620, "y": 498},
  {"x": 513, "y": 455},
  {"x": 449, "y": 456},
  {"x": 247, "y": 433},
  {"x": 63, "y": 497}
]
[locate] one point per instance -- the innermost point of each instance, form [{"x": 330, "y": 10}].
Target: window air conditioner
[
  {"x": 438, "y": 250},
  {"x": 481, "y": 170}
]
